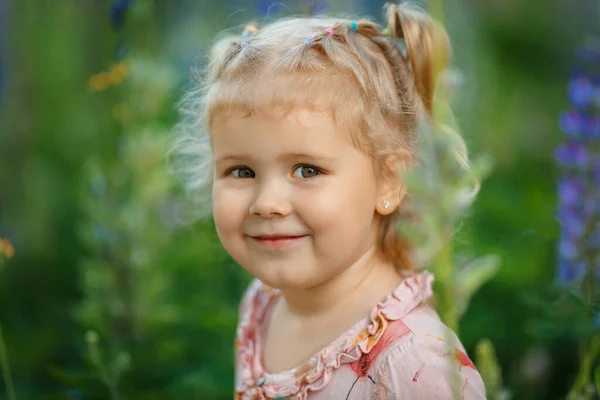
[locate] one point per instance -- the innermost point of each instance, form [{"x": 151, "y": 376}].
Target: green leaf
[
  {"x": 488, "y": 367},
  {"x": 470, "y": 279}
]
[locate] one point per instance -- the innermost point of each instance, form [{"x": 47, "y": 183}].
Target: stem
[
  {"x": 445, "y": 273},
  {"x": 590, "y": 352},
  {"x": 6, "y": 376},
  {"x": 590, "y": 348},
  {"x": 448, "y": 302}
]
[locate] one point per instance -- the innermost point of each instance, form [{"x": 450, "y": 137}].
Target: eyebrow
[{"x": 285, "y": 156}]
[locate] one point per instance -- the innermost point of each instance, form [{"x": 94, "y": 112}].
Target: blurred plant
[
  {"x": 6, "y": 253},
  {"x": 579, "y": 213},
  {"x": 117, "y": 72},
  {"x": 127, "y": 225},
  {"x": 124, "y": 229},
  {"x": 442, "y": 192},
  {"x": 110, "y": 375},
  {"x": 490, "y": 371},
  {"x": 148, "y": 284}
]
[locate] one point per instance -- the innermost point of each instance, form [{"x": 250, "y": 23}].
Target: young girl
[{"x": 310, "y": 124}]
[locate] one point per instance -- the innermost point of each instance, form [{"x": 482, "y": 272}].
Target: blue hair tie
[{"x": 354, "y": 26}]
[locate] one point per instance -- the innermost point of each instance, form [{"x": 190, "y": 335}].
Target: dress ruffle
[{"x": 314, "y": 375}]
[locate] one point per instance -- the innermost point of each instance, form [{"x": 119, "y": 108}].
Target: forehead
[
  {"x": 298, "y": 105},
  {"x": 299, "y": 130}
]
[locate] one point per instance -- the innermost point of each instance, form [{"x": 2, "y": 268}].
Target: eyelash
[{"x": 317, "y": 169}]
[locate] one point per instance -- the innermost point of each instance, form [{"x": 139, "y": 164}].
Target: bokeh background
[{"x": 105, "y": 293}]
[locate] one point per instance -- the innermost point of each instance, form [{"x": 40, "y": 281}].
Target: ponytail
[
  {"x": 427, "y": 52},
  {"x": 427, "y": 46}
]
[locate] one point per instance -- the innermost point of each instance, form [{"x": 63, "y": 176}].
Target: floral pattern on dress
[{"x": 397, "y": 351}]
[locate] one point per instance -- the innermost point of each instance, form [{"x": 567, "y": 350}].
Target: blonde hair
[{"x": 376, "y": 87}]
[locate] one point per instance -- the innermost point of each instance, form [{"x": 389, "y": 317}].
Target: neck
[{"x": 367, "y": 281}]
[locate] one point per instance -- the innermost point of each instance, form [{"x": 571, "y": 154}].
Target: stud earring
[{"x": 386, "y": 204}]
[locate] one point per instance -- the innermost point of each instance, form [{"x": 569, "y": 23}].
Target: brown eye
[
  {"x": 243, "y": 173},
  {"x": 306, "y": 172}
]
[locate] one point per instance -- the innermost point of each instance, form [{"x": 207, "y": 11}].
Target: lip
[{"x": 276, "y": 241}]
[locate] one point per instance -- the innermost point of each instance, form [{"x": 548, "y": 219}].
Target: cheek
[
  {"x": 343, "y": 208},
  {"x": 228, "y": 209}
]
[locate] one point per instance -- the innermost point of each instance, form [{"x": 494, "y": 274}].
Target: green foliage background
[{"x": 87, "y": 202}]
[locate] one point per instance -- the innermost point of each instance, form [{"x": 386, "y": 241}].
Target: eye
[
  {"x": 242, "y": 172},
  {"x": 306, "y": 172}
]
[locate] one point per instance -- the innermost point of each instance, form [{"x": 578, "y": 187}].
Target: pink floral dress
[{"x": 400, "y": 351}]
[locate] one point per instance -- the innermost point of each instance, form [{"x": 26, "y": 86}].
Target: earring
[{"x": 386, "y": 204}]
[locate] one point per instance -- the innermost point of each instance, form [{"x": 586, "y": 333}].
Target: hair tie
[
  {"x": 309, "y": 41},
  {"x": 246, "y": 36},
  {"x": 243, "y": 44},
  {"x": 329, "y": 31},
  {"x": 354, "y": 26}
]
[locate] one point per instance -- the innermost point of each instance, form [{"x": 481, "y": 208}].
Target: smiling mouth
[{"x": 276, "y": 242}]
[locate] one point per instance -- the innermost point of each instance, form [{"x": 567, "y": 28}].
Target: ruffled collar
[{"x": 313, "y": 375}]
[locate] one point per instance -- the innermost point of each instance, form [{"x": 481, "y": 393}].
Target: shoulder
[{"x": 430, "y": 364}]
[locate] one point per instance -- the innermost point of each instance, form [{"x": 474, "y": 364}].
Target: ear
[{"x": 390, "y": 190}]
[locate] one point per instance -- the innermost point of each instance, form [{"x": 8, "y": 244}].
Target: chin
[{"x": 287, "y": 280}]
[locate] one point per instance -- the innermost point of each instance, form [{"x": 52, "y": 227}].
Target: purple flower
[
  {"x": 572, "y": 154},
  {"x": 592, "y": 128},
  {"x": 571, "y": 190},
  {"x": 568, "y": 248},
  {"x": 571, "y": 123},
  {"x": 573, "y": 223},
  {"x": 579, "y": 188},
  {"x": 570, "y": 272},
  {"x": 596, "y": 171},
  {"x": 591, "y": 206},
  {"x": 581, "y": 91}
]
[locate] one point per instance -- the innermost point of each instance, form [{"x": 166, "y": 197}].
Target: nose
[{"x": 271, "y": 200}]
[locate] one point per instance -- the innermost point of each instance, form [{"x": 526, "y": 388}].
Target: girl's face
[{"x": 294, "y": 200}]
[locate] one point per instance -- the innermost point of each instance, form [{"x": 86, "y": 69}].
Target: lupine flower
[
  {"x": 572, "y": 123},
  {"x": 581, "y": 90},
  {"x": 579, "y": 188},
  {"x": 572, "y": 154}
]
